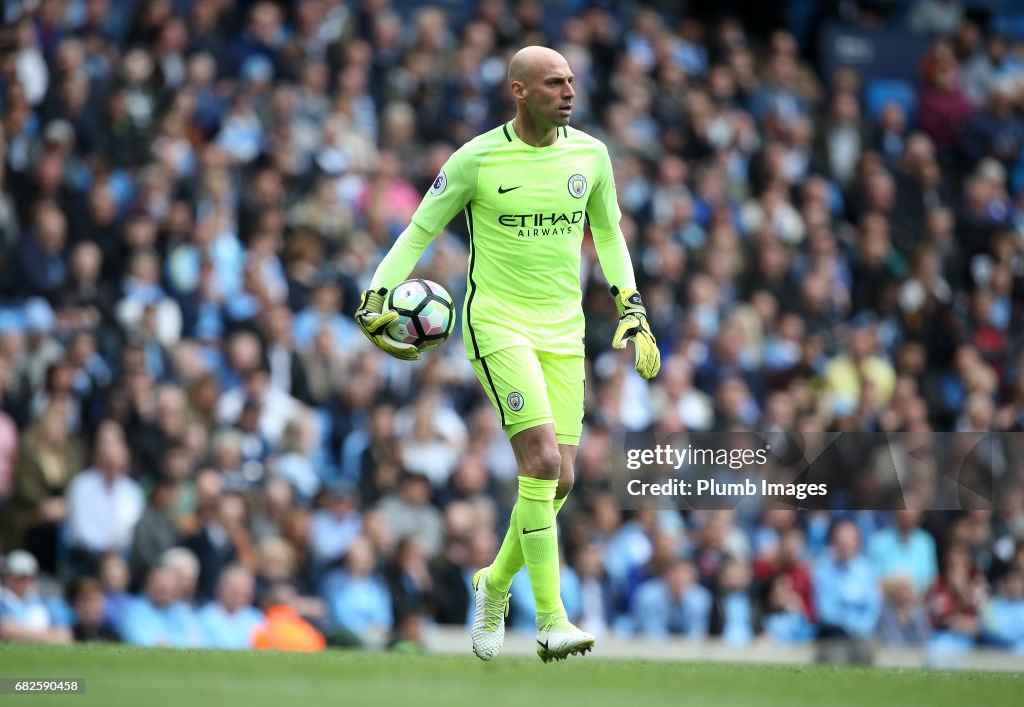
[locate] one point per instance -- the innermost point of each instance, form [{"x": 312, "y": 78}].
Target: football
[{"x": 426, "y": 314}]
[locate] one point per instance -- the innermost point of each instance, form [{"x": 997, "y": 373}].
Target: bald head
[
  {"x": 541, "y": 83},
  {"x": 529, "y": 62}
]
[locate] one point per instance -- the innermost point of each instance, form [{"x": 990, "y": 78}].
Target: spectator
[
  {"x": 936, "y": 17},
  {"x": 86, "y": 300},
  {"x": 8, "y": 440},
  {"x": 295, "y": 463},
  {"x": 844, "y": 137},
  {"x": 358, "y": 596},
  {"x": 954, "y": 602},
  {"x": 997, "y": 131},
  {"x": 846, "y": 592},
  {"x": 89, "y": 608},
  {"x": 157, "y": 619},
  {"x": 41, "y": 257},
  {"x": 1002, "y": 617},
  {"x": 785, "y": 620},
  {"x": 277, "y": 568},
  {"x": 323, "y": 312},
  {"x": 430, "y": 437},
  {"x": 847, "y": 373},
  {"x": 222, "y": 540},
  {"x": 903, "y": 621},
  {"x": 905, "y": 549},
  {"x": 272, "y": 509},
  {"x": 987, "y": 67},
  {"x": 286, "y": 369},
  {"x": 231, "y": 620},
  {"x": 185, "y": 566},
  {"x": 597, "y": 602},
  {"x": 24, "y": 616},
  {"x": 409, "y": 581},
  {"x": 410, "y": 512},
  {"x": 115, "y": 580},
  {"x": 789, "y": 560},
  {"x": 673, "y": 604},
  {"x": 49, "y": 458},
  {"x": 104, "y": 503},
  {"x": 157, "y": 529},
  {"x": 277, "y": 408},
  {"x": 452, "y": 571},
  {"x": 324, "y": 367},
  {"x": 943, "y": 109},
  {"x": 734, "y": 614},
  {"x": 284, "y": 629},
  {"x": 335, "y": 524}
]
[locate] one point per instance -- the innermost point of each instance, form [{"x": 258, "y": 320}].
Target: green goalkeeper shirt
[{"x": 525, "y": 208}]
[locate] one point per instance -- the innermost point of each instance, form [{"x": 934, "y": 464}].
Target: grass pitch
[{"x": 116, "y": 675}]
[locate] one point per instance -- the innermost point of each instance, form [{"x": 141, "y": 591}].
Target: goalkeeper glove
[
  {"x": 633, "y": 325},
  {"x": 374, "y": 322}
]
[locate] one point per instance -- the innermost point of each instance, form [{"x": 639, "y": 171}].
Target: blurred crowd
[{"x": 198, "y": 447}]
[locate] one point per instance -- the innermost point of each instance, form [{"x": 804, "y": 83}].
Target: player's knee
[{"x": 544, "y": 463}]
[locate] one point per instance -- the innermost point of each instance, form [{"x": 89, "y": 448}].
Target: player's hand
[
  {"x": 374, "y": 322},
  {"x": 633, "y": 325}
]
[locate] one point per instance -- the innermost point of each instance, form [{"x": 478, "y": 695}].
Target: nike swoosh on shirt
[{"x": 503, "y": 190}]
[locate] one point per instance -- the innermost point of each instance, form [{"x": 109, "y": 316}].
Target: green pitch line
[{"x": 152, "y": 678}]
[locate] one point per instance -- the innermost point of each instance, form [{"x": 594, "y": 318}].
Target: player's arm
[
  {"x": 447, "y": 196},
  {"x": 603, "y": 214},
  {"x": 393, "y": 269}
]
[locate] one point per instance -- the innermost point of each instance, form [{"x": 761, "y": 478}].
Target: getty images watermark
[
  {"x": 826, "y": 470},
  {"x": 664, "y": 455}
]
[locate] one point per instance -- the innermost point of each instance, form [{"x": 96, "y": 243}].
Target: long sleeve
[
  {"x": 402, "y": 257},
  {"x": 604, "y": 216},
  {"x": 614, "y": 257},
  {"x": 29, "y": 485},
  {"x": 448, "y": 195}
]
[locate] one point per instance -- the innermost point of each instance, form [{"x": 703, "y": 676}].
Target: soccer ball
[{"x": 426, "y": 314}]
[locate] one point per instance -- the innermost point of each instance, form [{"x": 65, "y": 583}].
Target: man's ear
[{"x": 519, "y": 89}]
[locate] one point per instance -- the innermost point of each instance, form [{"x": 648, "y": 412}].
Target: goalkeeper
[{"x": 526, "y": 188}]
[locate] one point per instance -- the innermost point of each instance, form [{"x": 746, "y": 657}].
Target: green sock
[
  {"x": 558, "y": 503},
  {"x": 509, "y": 559},
  {"x": 539, "y": 538}
]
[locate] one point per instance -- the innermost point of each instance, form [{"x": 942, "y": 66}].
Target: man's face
[
  {"x": 20, "y": 584},
  {"x": 681, "y": 576},
  {"x": 548, "y": 92},
  {"x": 161, "y": 587},
  {"x": 907, "y": 520},
  {"x": 236, "y": 592},
  {"x": 89, "y": 609},
  {"x": 847, "y": 542},
  {"x": 1013, "y": 585}
]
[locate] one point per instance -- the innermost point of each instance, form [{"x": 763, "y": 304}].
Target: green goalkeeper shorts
[{"x": 529, "y": 388}]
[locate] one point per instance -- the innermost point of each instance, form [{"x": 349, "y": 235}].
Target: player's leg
[
  {"x": 564, "y": 381},
  {"x": 566, "y": 474},
  {"x": 514, "y": 382},
  {"x": 509, "y": 559},
  {"x": 540, "y": 464},
  {"x": 564, "y": 388}
]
